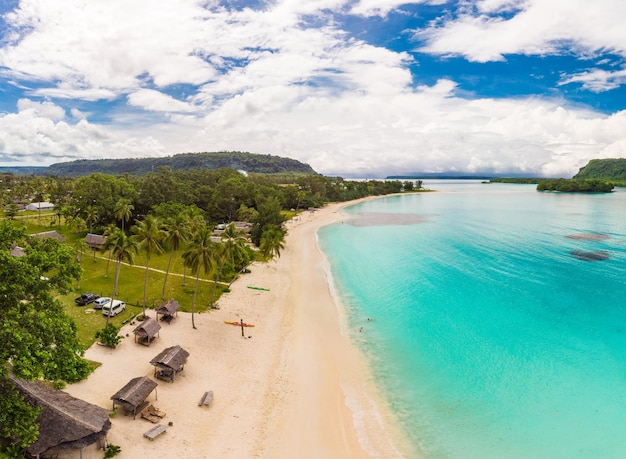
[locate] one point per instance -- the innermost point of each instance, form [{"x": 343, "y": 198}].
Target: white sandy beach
[{"x": 294, "y": 387}]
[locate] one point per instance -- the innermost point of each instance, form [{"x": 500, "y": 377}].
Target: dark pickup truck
[{"x": 86, "y": 298}]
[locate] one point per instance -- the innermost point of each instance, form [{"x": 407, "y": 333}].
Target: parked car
[
  {"x": 113, "y": 309},
  {"x": 86, "y": 298},
  {"x": 101, "y": 302}
]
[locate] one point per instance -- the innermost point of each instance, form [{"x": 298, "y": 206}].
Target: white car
[
  {"x": 97, "y": 304},
  {"x": 113, "y": 309}
]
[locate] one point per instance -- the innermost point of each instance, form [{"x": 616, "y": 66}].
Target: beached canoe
[
  {"x": 238, "y": 323},
  {"x": 259, "y": 288}
]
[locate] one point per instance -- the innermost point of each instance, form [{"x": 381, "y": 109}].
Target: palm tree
[
  {"x": 123, "y": 210},
  {"x": 123, "y": 248},
  {"x": 148, "y": 235},
  {"x": 272, "y": 241},
  {"x": 232, "y": 248},
  {"x": 176, "y": 232},
  {"x": 91, "y": 217},
  {"x": 108, "y": 231},
  {"x": 195, "y": 220},
  {"x": 199, "y": 256}
]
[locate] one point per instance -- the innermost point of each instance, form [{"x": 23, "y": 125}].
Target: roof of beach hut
[
  {"x": 147, "y": 329},
  {"x": 135, "y": 391},
  {"x": 173, "y": 357},
  {"x": 169, "y": 307},
  {"x": 64, "y": 421}
]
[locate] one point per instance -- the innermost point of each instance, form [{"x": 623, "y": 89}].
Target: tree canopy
[{"x": 38, "y": 339}]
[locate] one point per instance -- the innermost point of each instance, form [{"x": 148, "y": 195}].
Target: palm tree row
[{"x": 186, "y": 230}]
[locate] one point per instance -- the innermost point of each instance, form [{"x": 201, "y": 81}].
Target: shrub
[{"x": 109, "y": 336}]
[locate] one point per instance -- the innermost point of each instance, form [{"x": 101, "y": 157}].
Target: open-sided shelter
[
  {"x": 168, "y": 311},
  {"x": 132, "y": 397},
  {"x": 147, "y": 331},
  {"x": 65, "y": 422},
  {"x": 169, "y": 362}
]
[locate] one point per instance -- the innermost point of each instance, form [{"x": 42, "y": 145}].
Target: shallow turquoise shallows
[{"x": 494, "y": 316}]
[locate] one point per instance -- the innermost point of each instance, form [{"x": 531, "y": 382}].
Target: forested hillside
[
  {"x": 605, "y": 169},
  {"x": 249, "y": 162}
]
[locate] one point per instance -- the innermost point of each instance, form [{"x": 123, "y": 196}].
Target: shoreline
[{"x": 295, "y": 386}]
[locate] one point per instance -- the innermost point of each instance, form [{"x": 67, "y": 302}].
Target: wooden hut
[
  {"x": 49, "y": 235},
  {"x": 147, "y": 331},
  {"x": 169, "y": 363},
  {"x": 65, "y": 422},
  {"x": 132, "y": 397},
  {"x": 95, "y": 241},
  {"x": 169, "y": 310}
]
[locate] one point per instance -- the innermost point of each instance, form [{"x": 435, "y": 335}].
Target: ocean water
[{"x": 494, "y": 316}]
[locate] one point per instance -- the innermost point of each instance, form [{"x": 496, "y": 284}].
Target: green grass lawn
[
  {"x": 99, "y": 279},
  {"x": 130, "y": 290}
]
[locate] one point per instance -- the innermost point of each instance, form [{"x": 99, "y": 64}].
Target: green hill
[
  {"x": 249, "y": 162},
  {"x": 613, "y": 169}
]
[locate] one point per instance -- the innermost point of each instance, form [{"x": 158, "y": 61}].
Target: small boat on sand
[{"x": 230, "y": 322}]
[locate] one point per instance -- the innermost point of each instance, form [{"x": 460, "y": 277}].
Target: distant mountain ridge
[
  {"x": 249, "y": 162},
  {"x": 604, "y": 169}
]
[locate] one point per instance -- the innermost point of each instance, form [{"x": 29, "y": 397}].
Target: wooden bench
[
  {"x": 155, "y": 431},
  {"x": 206, "y": 399}
]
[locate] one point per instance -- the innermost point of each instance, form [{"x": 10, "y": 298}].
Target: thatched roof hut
[
  {"x": 49, "y": 234},
  {"x": 132, "y": 397},
  {"x": 95, "y": 241},
  {"x": 65, "y": 422},
  {"x": 147, "y": 331},
  {"x": 169, "y": 362},
  {"x": 169, "y": 310},
  {"x": 17, "y": 252}
]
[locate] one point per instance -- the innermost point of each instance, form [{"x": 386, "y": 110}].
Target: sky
[{"x": 358, "y": 88}]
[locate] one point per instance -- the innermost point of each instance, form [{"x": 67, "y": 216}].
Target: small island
[
  {"x": 598, "y": 176},
  {"x": 575, "y": 185}
]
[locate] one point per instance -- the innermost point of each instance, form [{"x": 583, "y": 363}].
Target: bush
[
  {"x": 109, "y": 336},
  {"x": 111, "y": 450}
]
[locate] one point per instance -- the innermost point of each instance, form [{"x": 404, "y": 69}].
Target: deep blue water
[{"x": 493, "y": 334}]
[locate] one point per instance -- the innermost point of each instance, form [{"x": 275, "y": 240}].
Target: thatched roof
[
  {"x": 170, "y": 308},
  {"x": 95, "y": 240},
  {"x": 49, "y": 234},
  {"x": 147, "y": 329},
  {"x": 134, "y": 392},
  {"x": 64, "y": 421},
  {"x": 173, "y": 357},
  {"x": 17, "y": 252}
]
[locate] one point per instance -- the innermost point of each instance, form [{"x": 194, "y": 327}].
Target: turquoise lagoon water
[{"x": 493, "y": 335}]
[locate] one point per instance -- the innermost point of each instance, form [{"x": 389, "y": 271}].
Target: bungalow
[
  {"x": 43, "y": 205},
  {"x": 95, "y": 241},
  {"x": 64, "y": 422},
  {"x": 49, "y": 234}
]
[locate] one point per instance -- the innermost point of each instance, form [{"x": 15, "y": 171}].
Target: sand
[{"x": 295, "y": 386}]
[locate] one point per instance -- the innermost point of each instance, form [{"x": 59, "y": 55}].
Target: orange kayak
[{"x": 238, "y": 323}]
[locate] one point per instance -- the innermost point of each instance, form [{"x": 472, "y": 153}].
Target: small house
[
  {"x": 40, "y": 206},
  {"x": 168, "y": 311},
  {"x": 132, "y": 397},
  {"x": 49, "y": 235},
  {"x": 95, "y": 241},
  {"x": 147, "y": 331},
  {"x": 169, "y": 363},
  {"x": 65, "y": 422}
]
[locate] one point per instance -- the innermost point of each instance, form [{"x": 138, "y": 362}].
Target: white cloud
[
  {"x": 540, "y": 27},
  {"x": 38, "y": 134},
  {"x": 159, "y": 102},
  {"x": 261, "y": 81},
  {"x": 370, "y": 8},
  {"x": 598, "y": 80}
]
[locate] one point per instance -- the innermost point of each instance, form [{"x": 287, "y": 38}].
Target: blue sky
[{"x": 353, "y": 87}]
